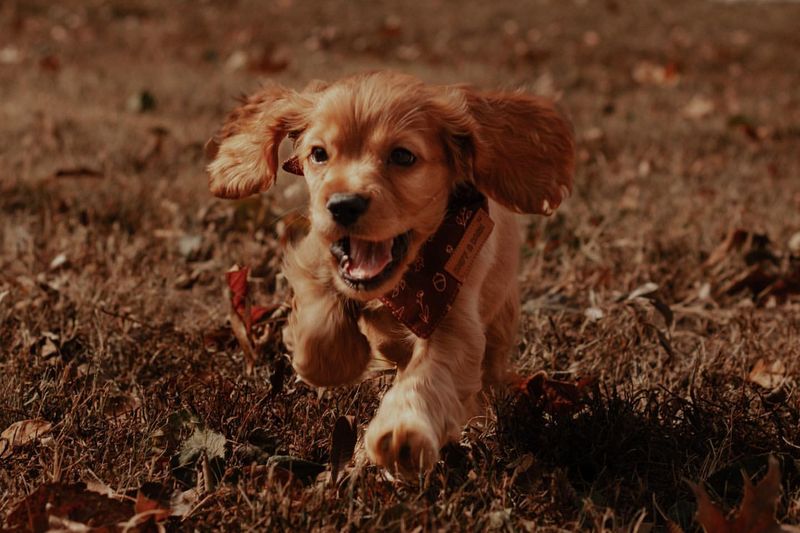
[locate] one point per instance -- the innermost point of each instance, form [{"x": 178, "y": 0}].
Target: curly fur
[{"x": 514, "y": 147}]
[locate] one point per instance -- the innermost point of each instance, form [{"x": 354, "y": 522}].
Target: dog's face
[
  {"x": 379, "y": 180},
  {"x": 381, "y": 154}
]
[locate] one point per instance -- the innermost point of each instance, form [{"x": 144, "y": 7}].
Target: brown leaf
[
  {"x": 237, "y": 283},
  {"x": 21, "y": 433},
  {"x": 756, "y": 514},
  {"x": 343, "y": 444},
  {"x": 183, "y": 503},
  {"x": 121, "y": 406},
  {"x": 769, "y": 376},
  {"x": 555, "y": 397},
  {"x": 243, "y": 315},
  {"x": 154, "y": 500},
  {"x": 239, "y": 329},
  {"x": 57, "y": 503}
]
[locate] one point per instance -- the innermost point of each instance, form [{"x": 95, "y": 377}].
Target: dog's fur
[{"x": 514, "y": 147}]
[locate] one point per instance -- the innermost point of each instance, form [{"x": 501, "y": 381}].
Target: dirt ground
[{"x": 669, "y": 282}]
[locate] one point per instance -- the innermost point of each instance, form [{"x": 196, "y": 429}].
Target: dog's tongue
[{"x": 368, "y": 259}]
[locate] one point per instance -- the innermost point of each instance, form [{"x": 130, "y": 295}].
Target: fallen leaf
[
  {"x": 756, "y": 513},
  {"x": 121, "y": 406},
  {"x": 72, "y": 504},
  {"x": 21, "y": 433},
  {"x": 100, "y": 488},
  {"x": 305, "y": 471},
  {"x": 768, "y": 375},
  {"x": 240, "y": 331},
  {"x": 343, "y": 444},
  {"x": 553, "y": 396},
  {"x": 244, "y": 315},
  {"x": 153, "y": 499},
  {"x": 179, "y": 424},
  {"x": 203, "y": 440},
  {"x": 237, "y": 283},
  {"x": 201, "y": 460},
  {"x": 183, "y": 503},
  {"x": 49, "y": 349}
]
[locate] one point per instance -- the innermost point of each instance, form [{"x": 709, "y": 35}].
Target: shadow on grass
[{"x": 633, "y": 450}]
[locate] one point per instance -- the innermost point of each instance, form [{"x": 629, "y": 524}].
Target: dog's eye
[
  {"x": 402, "y": 157},
  {"x": 319, "y": 155}
]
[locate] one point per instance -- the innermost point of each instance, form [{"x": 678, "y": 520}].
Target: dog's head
[{"x": 382, "y": 152}]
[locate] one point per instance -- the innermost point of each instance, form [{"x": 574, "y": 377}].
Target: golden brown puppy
[{"x": 406, "y": 258}]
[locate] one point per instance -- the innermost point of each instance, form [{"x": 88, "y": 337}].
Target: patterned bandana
[{"x": 425, "y": 293}]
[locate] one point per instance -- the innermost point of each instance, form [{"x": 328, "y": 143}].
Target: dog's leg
[
  {"x": 434, "y": 396},
  {"x": 500, "y": 336},
  {"x": 328, "y": 348}
]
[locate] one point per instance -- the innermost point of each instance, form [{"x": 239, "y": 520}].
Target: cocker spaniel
[{"x": 413, "y": 247}]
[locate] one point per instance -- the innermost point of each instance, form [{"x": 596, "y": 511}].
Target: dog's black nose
[{"x": 346, "y": 208}]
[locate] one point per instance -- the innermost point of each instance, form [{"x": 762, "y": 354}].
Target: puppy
[{"x": 412, "y": 252}]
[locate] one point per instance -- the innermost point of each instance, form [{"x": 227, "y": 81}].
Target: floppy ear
[
  {"x": 516, "y": 148},
  {"x": 244, "y": 153}
]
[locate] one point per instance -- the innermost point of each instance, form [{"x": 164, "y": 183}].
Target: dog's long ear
[
  {"x": 516, "y": 148},
  {"x": 244, "y": 153}
]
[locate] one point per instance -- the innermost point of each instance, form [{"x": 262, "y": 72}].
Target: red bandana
[{"x": 426, "y": 292}]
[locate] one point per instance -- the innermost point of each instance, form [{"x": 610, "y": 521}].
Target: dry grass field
[{"x": 667, "y": 286}]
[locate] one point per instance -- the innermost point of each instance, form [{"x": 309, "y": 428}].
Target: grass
[{"x": 112, "y": 295}]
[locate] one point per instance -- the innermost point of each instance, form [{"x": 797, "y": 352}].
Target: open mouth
[{"x": 363, "y": 264}]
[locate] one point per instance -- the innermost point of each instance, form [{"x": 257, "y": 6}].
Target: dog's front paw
[{"x": 405, "y": 445}]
